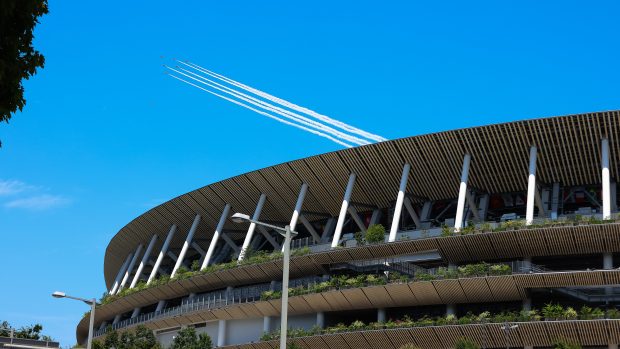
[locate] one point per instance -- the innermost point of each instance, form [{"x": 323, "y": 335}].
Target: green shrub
[
  {"x": 553, "y": 311},
  {"x": 359, "y": 237},
  {"x": 446, "y": 231},
  {"x": 465, "y": 343},
  {"x": 375, "y": 234},
  {"x": 563, "y": 343}
]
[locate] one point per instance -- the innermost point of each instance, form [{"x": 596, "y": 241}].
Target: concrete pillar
[
  {"x": 460, "y": 206},
  {"x": 400, "y": 197},
  {"x": 606, "y": 192},
  {"x": 162, "y": 254},
  {"x": 221, "y": 333},
  {"x": 527, "y": 263},
  {"x": 343, "y": 210},
  {"x": 608, "y": 260},
  {"x": 450, "y": 309},
  {"x": 315, "y": 235},
  {"x": 298, "y": 205},
  {"x": 121, "y": 272},
  {"x": 375, "y": 217},
  {"x": 527, "y": 303},
  {"x": 614, "y": 197},
  {"x": 188, "y": 241},
  {"x": 267, "y": 324},
  {"x": 483, "y": 207},
  {"x": 216, "y": 236},
  {"x": 531, "y": 187},
  {"x": 103, "y": 325},
  {"x": 381, "y": 316},
  {"x": 145, "y": 259},
  {"x": 135, "y": 313},
  {"x": 250, "y": 234},
  {"x": 555, "y": 200},
  {"x": 117, "y": 318},
  {"x": 320, "y": 319},
  {"x": 130, "y": 267}
]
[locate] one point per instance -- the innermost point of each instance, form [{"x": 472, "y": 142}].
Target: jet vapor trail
[
  {"x": 262, "y": 104},
  {"x": 290, "y": 105},
  {"x": 318, "y": 133}
]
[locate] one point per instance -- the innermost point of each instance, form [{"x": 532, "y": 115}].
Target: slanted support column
[
  {"x": 216, "y": 236},
  {"x": 375, "y": 217},
  {"x": 135, "y": 313},
  {"x": 160, "y": 305},
  {"x": 460, "y": 206},
  {"x": 188, "y": 241},
  {"x": 398, "y": 208},
  {"x": 298, "y": 205},
  {"x": 120, "y": 274},
  {"x": 483, "y": 207},
  {"x": 425, "y": 214},
  {"x": 221, "y": 333},
  {"x": 343, "y": 210},
  {"x": 117, "y": 318},
  {"x": 145, "y": 258},
  {"x": 329, "y": 226},
  {"x": 130, "y": 267},
  {"x": 412, "y": 213},
  {"x": 162, "y": 254},
  {"x": 605, "y": 179},
  {"x": 310, "y": 228},
  {"x": 531, "y": 187},
  {"x": 381, "y": 316},
  {"x": 450, "y": 309},
  {"x": 250, "y": 234}
]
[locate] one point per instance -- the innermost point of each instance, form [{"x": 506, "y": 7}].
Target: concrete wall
[{"x": 243, "y": 330}]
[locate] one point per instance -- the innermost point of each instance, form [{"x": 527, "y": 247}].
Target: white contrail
[
  {"x": 290, "y": 105},
  {"x": 262, "y": 104},
  {"x": 267, "y": 114}
]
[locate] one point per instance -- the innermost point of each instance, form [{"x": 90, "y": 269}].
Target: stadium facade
[{"x": 506, "y": 235}]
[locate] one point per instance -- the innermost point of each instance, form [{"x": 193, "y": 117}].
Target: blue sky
[{"x": 107, "y": 135}]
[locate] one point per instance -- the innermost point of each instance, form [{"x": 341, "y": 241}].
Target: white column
[
  {"x": 400, "y": 197},
  {"x": 221, "y": 333},
  {"x": 145, "y": 258},
  {"x": 120, "y": 274},
  {"x": 531, "y": 187},
  {"x": 460, "y": 206},
  {"x": 162, "y": 254},
  {"x": 188, "y": 241},
  {"x": 605, "y": 177},
  {"x": 216, "y": 236},
  {"x": 298, "y": 205},
  {"x": 381, "y": 317},
  {"x": 250, "y": 234},
  {"x": 343, "y": 210},
  {"x": 608, "y": 260},
  {"x": 130, "y": 268}
]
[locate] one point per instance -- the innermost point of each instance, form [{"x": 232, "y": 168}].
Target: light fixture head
[
  {"x": 240, "y": 217},
  {"x": 59, "y": 294}
]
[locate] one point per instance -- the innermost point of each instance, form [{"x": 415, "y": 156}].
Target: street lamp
[
  {"x": 507, "y": 328},
  {"x": 92, "y": 303},
  {"x": 288, "y": 233}
]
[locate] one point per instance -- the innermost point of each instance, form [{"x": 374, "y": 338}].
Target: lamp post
[
  {"x": 92, "y": 303},
  {"x": 507, "y": 328},
  {"x": 288, "y": 233}
]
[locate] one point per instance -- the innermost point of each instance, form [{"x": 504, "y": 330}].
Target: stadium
[{"x": 506, "y": 235}]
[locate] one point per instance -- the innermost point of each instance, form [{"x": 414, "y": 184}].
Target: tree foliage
[
  {"x": 375, "y": 233},
  {"x": 26, "y": 332},
  {"x": 18, "y": 58},
  {"x": 140, "y": 338},
  {"x": 187, "y": 339}
]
